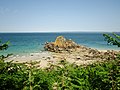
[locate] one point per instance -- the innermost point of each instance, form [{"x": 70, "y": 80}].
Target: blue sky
[{"x": 59, "y": 15}]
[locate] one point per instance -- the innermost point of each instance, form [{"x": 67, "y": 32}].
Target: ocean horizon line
[{"x": 68, "y": 32}]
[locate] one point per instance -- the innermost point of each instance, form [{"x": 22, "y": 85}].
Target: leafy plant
[{"x": 113, "y": 39}]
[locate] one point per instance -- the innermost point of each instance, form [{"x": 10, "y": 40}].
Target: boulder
[{"x": 60, "y": 44}]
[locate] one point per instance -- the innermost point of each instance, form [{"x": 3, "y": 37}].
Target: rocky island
[{"x": 61, "y": 44}]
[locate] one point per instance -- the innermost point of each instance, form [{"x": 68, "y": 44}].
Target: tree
[{"x": 113, "y": 39}]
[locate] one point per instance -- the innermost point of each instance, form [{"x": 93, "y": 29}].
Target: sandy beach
[{"x": 80, "y": 56}]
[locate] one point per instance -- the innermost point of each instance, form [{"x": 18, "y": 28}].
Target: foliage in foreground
[
  {"x": 3, "y": 46},
  {"x": 113, "y": 39},
  {"x": 101, "y": 76}
]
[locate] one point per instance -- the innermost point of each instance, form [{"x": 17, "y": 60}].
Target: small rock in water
[{"x": 31, "y": 55}]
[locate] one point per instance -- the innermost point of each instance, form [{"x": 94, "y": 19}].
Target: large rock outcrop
[{"x": 60, "y": 44}]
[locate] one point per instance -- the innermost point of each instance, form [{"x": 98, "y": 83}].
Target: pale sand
[{"x": 78, "y": 57}]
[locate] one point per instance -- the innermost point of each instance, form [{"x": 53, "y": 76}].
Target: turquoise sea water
[{"x": 24, "y": 43}]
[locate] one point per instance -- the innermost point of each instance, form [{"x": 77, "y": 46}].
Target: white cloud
[{"x": 6, "y": 10}]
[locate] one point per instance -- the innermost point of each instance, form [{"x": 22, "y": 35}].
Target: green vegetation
[
  {"x": 113, "y": 39},
  {"x": 3, "y": 46},
  {"x": 101, "y": 76},
  {"x": 64, "y": 76}
]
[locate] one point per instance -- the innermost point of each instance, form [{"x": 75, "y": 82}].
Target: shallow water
[{"x": 25, "y": 43}]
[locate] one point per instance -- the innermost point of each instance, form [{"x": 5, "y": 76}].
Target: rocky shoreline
[
  {"x": 71, "y": 52},
  {"x": 82, "y": 56}
]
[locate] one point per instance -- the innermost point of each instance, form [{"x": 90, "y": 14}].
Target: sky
[{"x": 59, "y": 15}]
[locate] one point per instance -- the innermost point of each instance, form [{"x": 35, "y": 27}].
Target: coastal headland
[{"x": 65, "y": 49}]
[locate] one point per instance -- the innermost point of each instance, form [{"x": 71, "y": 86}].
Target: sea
[{"x": 26, "y": 43}]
